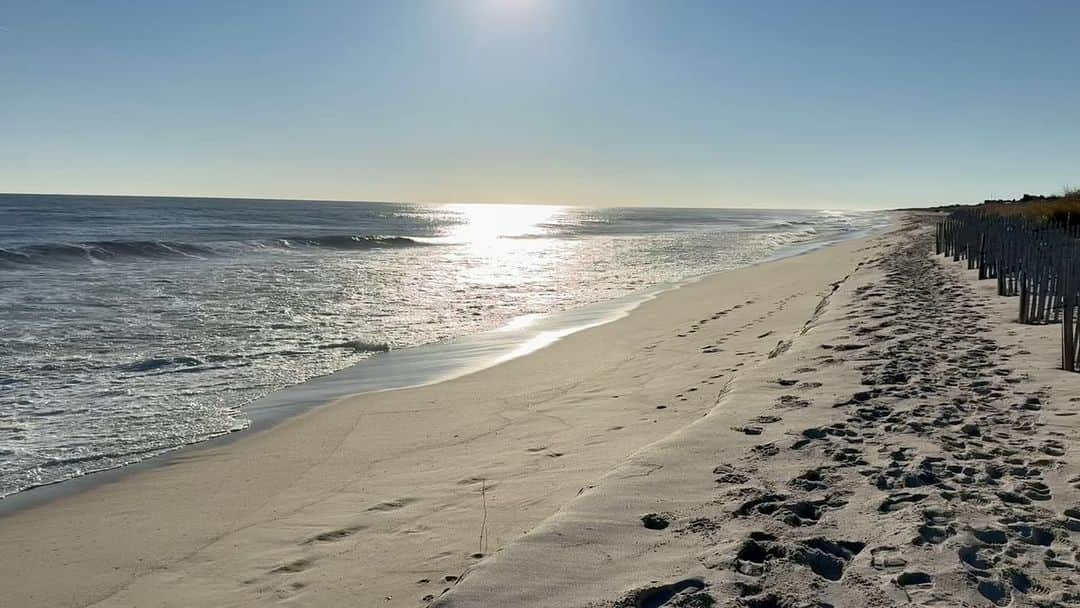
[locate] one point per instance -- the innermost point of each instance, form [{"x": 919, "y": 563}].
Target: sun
[
  {"x": 485, "y": 224},
  {"x": 510, "y": 9}
]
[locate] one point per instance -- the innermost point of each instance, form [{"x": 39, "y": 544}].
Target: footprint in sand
[
  {"x": 393, "y": 505},
  {"x": 687, "y": 592},
  {"x": 765, "y": 450},
  {"x": 727, "y": 474},
  {"x": 914, "y": 579},
  {"x": 655, "y": 521},
  {"x": 334, "y": 535},
  {"x": 756, "y": 552},
  {"x": 293, "y": 567},
  {"x": 899, "y": 500},
  {"x": 748, "y": 429},
  {"x": 791, "y": 401},
  {"x": 887, "y": 558},
  {"x": 812, "y": 480},
  {"x": 826, "y": 558}
]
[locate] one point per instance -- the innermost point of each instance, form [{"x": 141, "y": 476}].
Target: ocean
[{"x": 132, "y": 326}]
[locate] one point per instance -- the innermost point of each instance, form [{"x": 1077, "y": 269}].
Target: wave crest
[
  {"x": 349, "y": 242},
  {"x": 360, "y": 346},
  {"x": 46, "y": 254}
]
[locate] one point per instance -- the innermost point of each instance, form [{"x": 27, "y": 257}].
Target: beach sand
[
  {"x": 713, "y": 407},
  {"x": 910, "y": 447}
]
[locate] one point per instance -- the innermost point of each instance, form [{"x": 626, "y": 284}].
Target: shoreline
[
  {"x": 407, "y": 368},
  {"x": 286, "y": 512}
]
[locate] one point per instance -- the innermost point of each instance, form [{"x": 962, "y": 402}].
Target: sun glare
[
  {"x": 510, "y": 9},
  {"x": 490, "y": 239},
  {"x": 488, "y": 223}
]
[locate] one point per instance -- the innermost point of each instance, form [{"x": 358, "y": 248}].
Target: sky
[{"x": 841, "y": 104}]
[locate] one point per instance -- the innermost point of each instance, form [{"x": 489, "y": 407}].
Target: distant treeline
[
  {"x": 1061, "y": 210},
  {"x": 1028, "y": 203},
  {"x": 1031, "y": 247}
]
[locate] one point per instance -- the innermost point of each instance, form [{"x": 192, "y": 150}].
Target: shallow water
[{"x": 131, "y": 326}]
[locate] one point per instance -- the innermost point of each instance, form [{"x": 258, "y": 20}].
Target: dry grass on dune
[{"x": 1062, "y": 210}]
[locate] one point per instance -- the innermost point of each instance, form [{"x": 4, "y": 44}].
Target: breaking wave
[{"x": 118, "y": 251}]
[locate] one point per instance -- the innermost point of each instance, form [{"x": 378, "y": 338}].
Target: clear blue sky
[{"x": 603, "y": 102}]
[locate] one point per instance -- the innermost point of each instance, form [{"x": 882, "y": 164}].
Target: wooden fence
[{"x": 1029, "y": 258}]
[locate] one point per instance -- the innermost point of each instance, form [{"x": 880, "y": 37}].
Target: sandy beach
[
  {"x": 910, "y": 447},
  {"x": 539, "y": 304},
  {"x": 830, "y": 427}
]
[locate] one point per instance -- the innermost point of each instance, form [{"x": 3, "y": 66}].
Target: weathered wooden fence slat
[{"x": 1038, "y": 262}]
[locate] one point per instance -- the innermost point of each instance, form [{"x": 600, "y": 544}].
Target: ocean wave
[
  {"x": 772, "y": 225},
  {"x": 114, "y": 251},
  {"x": 536, "y": 235},
  {"x": 101, "y": 251},
  {"x": 789, "y": 237},
  {"x": 350, "y": 242},
  {"x": 359, "y": 346},
  {"x": 157, "y": 363}
]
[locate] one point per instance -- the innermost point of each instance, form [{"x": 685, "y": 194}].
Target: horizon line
[{"x": 446, "y": 203}]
